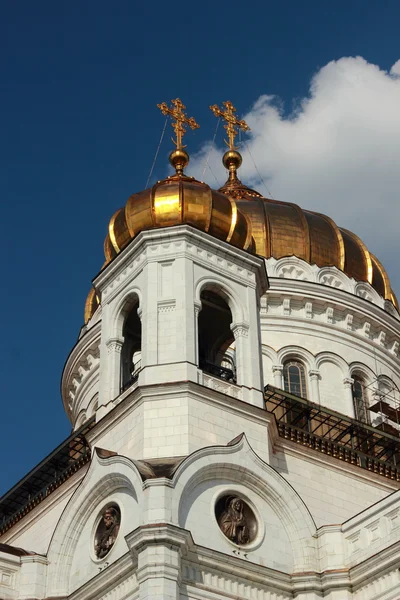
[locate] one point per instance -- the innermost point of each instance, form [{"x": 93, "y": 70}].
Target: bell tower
[{"x": 179, "y": 329}]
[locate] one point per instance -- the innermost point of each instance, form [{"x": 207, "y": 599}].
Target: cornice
[
  {"x": 111, "y": 579},
  {"x": 82, "y": 362},
  {"x": 184, "y": 239},
  {"x": 375, "y": 565},
  {"x": 134, "y": 397},
  {"x": 326, "y": 293}
]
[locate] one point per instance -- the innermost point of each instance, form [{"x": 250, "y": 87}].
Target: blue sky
[{"x": 79, "y": 128}]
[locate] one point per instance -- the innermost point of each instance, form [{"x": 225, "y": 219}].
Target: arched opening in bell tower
[
  {"x": 132, "y": 348},
  {"x": 216, "y": 342}
]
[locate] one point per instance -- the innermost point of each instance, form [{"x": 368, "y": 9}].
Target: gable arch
[
  {"x": 332, "y": 277},
  {"x": 292, "y": 267},
  {"x": 112, "y": 478},
  {"x": 387, "y": 381},
  {"x": 270, "y": 352},
  {"x": 213, "y": 463},
  {"x": 225, "y": 290},
  {"x": 296, "y": 353},
  {"x": 331, "y": 357},
  {"x": 121, "y": 310},
  {"x": 362, "y": 370}
]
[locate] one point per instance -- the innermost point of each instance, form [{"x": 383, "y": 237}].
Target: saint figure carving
[
  {"x": 233, "y": 522},
  {"x": 107, "y": 532}
]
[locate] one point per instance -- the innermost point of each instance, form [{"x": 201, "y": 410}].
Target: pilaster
[
  {"x": 348, "y": 390},
  {"x": 159, "y": 551},
  {"x": 314, "y": 384}
]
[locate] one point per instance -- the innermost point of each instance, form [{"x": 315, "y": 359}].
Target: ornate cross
[
  {"x": 176, "y": 112},
  {"x": 233, "y": 124}
]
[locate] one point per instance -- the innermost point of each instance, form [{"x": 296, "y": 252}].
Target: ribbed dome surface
[
  {"x": 242, "y": 217},
  {"x": 284, "y": 229},
  {"x": 175, "y": 201}
]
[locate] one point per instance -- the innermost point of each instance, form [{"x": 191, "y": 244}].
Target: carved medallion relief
[
  {"x": 236, "y": 519},
  {"x": 107, "y": 531}
]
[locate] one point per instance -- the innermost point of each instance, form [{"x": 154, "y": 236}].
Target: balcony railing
[
  {"x": 56, "y": 468},
  {"x": 218, "y": 371},
  {"x": 334, "y": 434},
  {"x": 132, "y": 379}
]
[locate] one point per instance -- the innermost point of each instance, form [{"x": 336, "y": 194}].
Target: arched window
[
  {"x": 360, "y": 400},
  {"x": 216, "y": 341},
  {"x": 131, "y": 349},
  {"x": 294, "y": 378}
]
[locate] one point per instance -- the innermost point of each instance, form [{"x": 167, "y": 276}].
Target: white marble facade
[{"x": 324, "y": 528}]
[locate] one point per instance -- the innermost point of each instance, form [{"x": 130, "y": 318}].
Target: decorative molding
[
  {"x": 165, "y": 306},
  {"x": 197, "y": 308},
  {"x": 348, "y": 382},
  {"x": 222, "y": 386},
  {"x": 295, "y": 268},
  {"x": 176, "y": 242},
  {"x": 296, "y": 307},
  {"x": 367, "y": 329},
  {"x": 286, "y": 306},
  {"x": 349, "y": 322},
  {"x": 314, "y": 375},
  {"x": 114, "y": 345},
  {"x": 80, "y": 370},
  {"x": 382, "y": 338},
  {"x": 228, "y": 584},
  {"x": 264, "y": 305},
  {"x": 240, "y": 330}
]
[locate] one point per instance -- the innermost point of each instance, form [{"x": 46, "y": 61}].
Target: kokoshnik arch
[{"x": 234, "y": 398}]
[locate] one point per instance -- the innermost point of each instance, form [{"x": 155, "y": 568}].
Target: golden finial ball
[
  {"x": 179, "y": 159},
  {"x": 232, "y": 158}
]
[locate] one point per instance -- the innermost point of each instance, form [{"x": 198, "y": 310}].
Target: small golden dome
[{"x": 174, "y": 201}]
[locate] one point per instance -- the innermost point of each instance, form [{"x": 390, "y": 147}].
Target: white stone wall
[
  {"x": 176, "y": 420},
  {"x": 334, "y": 330},
  {"x": 332, "y": 492},
  {"x": 326, "y": 529},
  {"x": 170, "y": 544},
  {"x": 34, "y": 531}
]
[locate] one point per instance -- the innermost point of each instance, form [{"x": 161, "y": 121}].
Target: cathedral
[{"x": 235, "y": 406}]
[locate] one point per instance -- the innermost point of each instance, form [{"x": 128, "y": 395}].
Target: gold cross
[
  {"x": 180, "y": 118},
  {"x": 233, "y": 124}
]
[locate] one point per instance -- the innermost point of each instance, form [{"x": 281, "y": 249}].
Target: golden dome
[
  {"x": 282, "y": 229},
  {"x": 242, "y": 217},
  {"x": 174, "y": 201}
]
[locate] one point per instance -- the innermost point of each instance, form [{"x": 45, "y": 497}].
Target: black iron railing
[
  {"x": 334, "y": 434},
  {"x": 218, "y": 371},
  {"x": 133, "y": 378},
  {"x": 56, "y": 468}
]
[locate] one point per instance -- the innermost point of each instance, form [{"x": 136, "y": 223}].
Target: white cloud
[{"x": 337, "y": 152}]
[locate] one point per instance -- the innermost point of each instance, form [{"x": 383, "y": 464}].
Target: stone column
[
  {"x": 158, "y": 573},
  {"x": 114, "y": 347},
  {"x": 33, "y": 574},
  {"x": 240, "y": 333},
  {"x": 314, "y": 386},
  {"x": 248, "y": 364},
  {"x": 348, "y": 390},
  {"x": 197, "y": 309},
  {"x": 158, "y": 549},
  {"x": 277, "y": 370}
]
